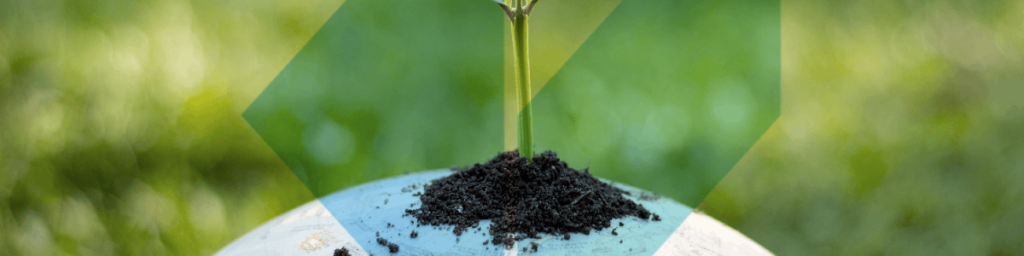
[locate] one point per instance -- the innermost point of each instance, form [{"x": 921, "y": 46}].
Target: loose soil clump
[
  {"x": 393, "y": 248},
  {"x": 524, "y": 199},
  {"x": 342, "y": 252}
]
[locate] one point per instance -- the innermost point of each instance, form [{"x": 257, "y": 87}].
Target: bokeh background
[
  {"x": 902, "y": 128},
  {"x": 902, "y": 133}
]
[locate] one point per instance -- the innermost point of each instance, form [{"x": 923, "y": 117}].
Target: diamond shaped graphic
[
  {"x": 670, "y": 93},
  {"x": 665, "y": 95}
]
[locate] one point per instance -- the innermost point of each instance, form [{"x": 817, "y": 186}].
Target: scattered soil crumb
[
  {"x": 393, "y": 248},
  {"x": 414, "y": 234},
  {"x": 656, "y": 217},
  {"x": 533, "y": 246},
  {"x": 521, "y": 198},
  {"x": 614, "y": 233},
  {"x": 342, "y": 252},
  {"x": 620, "y": 224}
]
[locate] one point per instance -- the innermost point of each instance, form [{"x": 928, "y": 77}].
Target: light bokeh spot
[{"x": 328, "y": 143}]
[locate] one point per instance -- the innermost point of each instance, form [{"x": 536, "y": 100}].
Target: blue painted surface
[{"x": 363, "y": 212}]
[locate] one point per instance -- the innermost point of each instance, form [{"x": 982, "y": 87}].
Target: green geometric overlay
[
  {"x": 669, "y": 93},
  {"x": 665, "y": 95}
]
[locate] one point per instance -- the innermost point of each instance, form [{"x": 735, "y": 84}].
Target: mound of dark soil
[{"x": 523, "y": 199}]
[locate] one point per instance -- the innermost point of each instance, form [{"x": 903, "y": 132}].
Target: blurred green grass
[
  {"x": 120, "y": 128},
  {"x": 902, "y": 133}
]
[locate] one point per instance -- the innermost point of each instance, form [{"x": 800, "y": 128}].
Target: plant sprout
[{"x": 519, "y": 11}]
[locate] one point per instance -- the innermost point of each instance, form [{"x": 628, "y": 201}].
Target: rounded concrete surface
[{"x": 354, "y": 217}]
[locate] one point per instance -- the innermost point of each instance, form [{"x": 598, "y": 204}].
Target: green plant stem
[{"x": 522, "y": 61}]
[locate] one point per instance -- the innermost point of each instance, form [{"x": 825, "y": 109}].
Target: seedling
[{"x": 518, "y": 11}]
